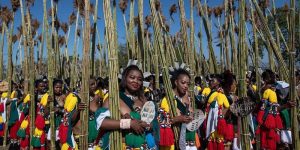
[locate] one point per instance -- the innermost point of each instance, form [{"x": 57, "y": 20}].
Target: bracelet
[{"x": 125, "y": 123}]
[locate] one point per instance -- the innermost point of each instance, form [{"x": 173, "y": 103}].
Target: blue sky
[{"x": 65, "y": 8}]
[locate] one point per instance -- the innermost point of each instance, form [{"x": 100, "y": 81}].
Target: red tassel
[
  {"x": 63, "y": 133},
  {"x": 43, "y": 138},
  {"x": 271, "y": 144},
  {"x": 220, "y": 146},
  {"x": 210, "y": 145},
  {"x": 257, "y": 132},
  {"x": 263, "y": 139},
  {"x": 221, "y": 127},
  {"x": 277, "y": 138},
  {"x": 229, "y": 134},
  {"x": 43, "y": 148},
  {"x": 270, "y": 122},
  {"x": 166, "y": 137},
  {"x": 14, "y": 129},
  {"x": 271, "y": 134},
  {"x": 1, "y": 107},
  {"x": 40, "y": 122},
  {"x": 215, "y": 145},
  {"x": 24, "y": 143},
  {"x": 260, "y": 116},
  {"x": 278, "y": 120}
]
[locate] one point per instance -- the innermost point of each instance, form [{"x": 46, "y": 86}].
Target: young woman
[
  {"x": 180, "y": 82},
  {"x": 132, "y": 100},
  {"x": 59, "y": 101},
  {"x": 217, "y": 105}
]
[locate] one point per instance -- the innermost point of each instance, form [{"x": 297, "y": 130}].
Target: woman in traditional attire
[
  {"x": 229, "y": 87},
  {"x": 59, "y": 100},
  {"x": 268, "y": 117},
  {"x": 217, "y": 105},
  {"x": 180, "y": 82},
  {"x": 132, "y": 100}
]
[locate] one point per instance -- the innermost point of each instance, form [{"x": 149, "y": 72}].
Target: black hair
[
  {"x": 176, "y": 74},
  {"x": 57, "y": 81},
  {"x": 227, "y": 80},
  {"x": 268, "y": 76},
  {"x": 37, "y": 82},
  {"x": 125, "y": 74},
  {"x": 198, "y": 80}
]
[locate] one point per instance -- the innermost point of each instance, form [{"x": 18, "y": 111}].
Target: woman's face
[
  {"x": 134, "y": 80},
  {"x": 213, "y": 83},
  {"x": 233, "y": 86},
  {"x": 58, "y": 89},
  {"x": 93, "y": 86},
  {"x": 182, "y": 84}
]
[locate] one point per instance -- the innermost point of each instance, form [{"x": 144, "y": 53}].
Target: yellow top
[
  {"x": 254, "y": 87},
  {"x": 164, "y": 105},
  {"x": 70, "y": 103},
  {"x": 206, "y": 91},
  {"x": 270, "y": 95},
  {"x": 4, "y": 95},
  {"x": 220, "y": 98},
  {"x": 26, "y": 99},
  {"x": 44, "y": 99}
]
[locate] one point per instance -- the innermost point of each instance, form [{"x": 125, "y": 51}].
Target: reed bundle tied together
[{"x": 116, "y": 136}]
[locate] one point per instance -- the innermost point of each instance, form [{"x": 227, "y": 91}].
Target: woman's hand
[
  {"x": 81, "y": 106},
  {"x": 137, "y": 126},
  {"x": 182, "y": 119}
]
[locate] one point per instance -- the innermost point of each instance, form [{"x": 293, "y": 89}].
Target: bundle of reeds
[
  {"x": 115, "y": 136},
  {"x": 242, "y": 65},
  {"x": 292, "y": 92}
]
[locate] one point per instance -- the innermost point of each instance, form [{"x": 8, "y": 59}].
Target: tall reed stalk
[
  {"x": 9, "y": 74},
  {"x": 270, "y": 38},
  {"x": 1, "y": 49},
  {"x": 94, "y": 39},
  {"x": 84, "y": 115},
  {"x": 114, "y": 104},
  {"x": 242, "y": 64},
  {"x": 293, "y": 93},
  {"x": 207, "y": 26}
]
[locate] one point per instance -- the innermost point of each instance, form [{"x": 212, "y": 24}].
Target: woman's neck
[{"x": 178, "y": 93}]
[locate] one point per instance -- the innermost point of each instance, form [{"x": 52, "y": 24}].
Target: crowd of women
[{"x": 217, "y": 126}]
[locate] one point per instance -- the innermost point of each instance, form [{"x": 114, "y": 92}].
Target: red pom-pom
[
  {"x": 257, "y": 131},
  {"x": 1, "y": 107},
  {"x": 43, "y": 148},
  {"x": 278, "y": 120},
  {"x": 43, "y": 138},
  {"x": 40, "y": 122},
  {"x": 62, "y": 133},
  {"x": 24, "y": 143},
  {"x": 263, "y": 139},
  {"x": 221, "y": 127},
  {"x": 220, "y": 146},
  {"x": 271, "y": 144},
  {"x": 14, "y": 129},
  {"x": 229, "y": 134},
  {"x": 166, "y": 137},
  {"x": 260, "y": 116},
  {"x": 210, "y": 145},
  {"x": 270, "y": 122},
  {"x": 271, "y": 134}
]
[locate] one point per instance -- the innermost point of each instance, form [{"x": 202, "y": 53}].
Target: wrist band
[{"x": 125, "y": 123}]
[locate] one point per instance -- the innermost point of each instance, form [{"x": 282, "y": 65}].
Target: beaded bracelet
[{"x": 125, "y": 123}]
